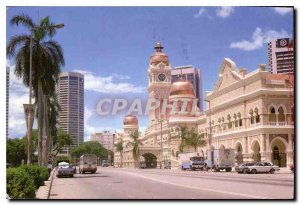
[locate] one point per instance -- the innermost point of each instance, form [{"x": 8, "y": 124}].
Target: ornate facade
[{"x": 249, "y": 112}]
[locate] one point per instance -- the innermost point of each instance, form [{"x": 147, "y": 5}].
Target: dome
[
  {"x": 159, "y": 56},
  {"x": 130, "y": 120},
  {"x": 182, "y": 87}
]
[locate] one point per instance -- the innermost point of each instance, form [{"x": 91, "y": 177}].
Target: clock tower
[{"x": 159, "y": 79}]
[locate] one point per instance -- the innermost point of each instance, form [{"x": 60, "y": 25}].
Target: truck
[
  {"x": 88, "y": 163},
  {"x": 220, "y": 159},
  {"x": 191, "y": 161}
]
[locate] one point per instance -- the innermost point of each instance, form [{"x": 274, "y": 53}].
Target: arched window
[
  {"x": 240, "y": 119},
  {"x": 272, "y": 115},
  {"x": 257, "y": 119},
  {"x": 229, "y": 121},
  {"x": 281, "y": 116},
  {"x": 251, "y": 116}
]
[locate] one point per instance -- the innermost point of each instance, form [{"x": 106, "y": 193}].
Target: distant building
[
  {"x": 193, "y": 75},
  {"x": 7, "y": 99},
  {"x": 281, "y": 57},
  {"x": 106, "y": 139},
  {"x": 70, "y": 94}
]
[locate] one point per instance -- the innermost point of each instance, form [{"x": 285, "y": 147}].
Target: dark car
[{"x": 67, "y": 171}]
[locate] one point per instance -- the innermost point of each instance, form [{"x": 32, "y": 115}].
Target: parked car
[
  {"x": 64, "y": 169},
  {"x": 260, "y": 167},
  {"x": 243, "y": 168},
  {"x": 142, "y": 165}
]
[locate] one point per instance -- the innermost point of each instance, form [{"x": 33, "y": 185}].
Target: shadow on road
[{"x": 90, "y": 176}]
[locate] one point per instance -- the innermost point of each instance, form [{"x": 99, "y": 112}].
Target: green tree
[
  {"x": 61, "y": 140},
  {"x": 195, "y": 140},
  {"x": 47, "y": 59},
  {"x": 90, "y": 147},
  {"x": 119, "y": 148},
  {"x": 135, "y": 144},
  {"x": 190, "y": 138},
  {"x": 183, "y": 133},
  {"x": 15, "y": 151}
]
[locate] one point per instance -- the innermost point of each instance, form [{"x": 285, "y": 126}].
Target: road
[{"x": 121, "y": 183}]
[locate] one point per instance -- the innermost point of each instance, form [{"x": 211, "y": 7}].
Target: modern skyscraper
[
  {"x": 281, "y": 56},
  {"x": 7, "y": 99},
  {"x": 70, "y": 93},
  {"x": 193, "y": 75},
  {"x": 106, "y": 139}
]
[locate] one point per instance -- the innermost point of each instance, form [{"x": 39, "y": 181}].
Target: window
[
  {"x": 275, "y": 153},
  {"x": 257, "y": 119},
  {"x": 272, "y": 115},
  {"x": 281, "y": 116},
  {"x": 240, "y": 122}
]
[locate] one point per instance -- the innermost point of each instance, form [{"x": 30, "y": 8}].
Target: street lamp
[{"x": 29, "y": 108}]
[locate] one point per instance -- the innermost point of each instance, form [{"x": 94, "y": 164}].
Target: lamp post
[
  {"x": 210, "y": 132},
  {"x": 29, "y": 108}
]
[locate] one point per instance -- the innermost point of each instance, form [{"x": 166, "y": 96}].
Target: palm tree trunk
[
  {"x": 40, "y": 122},
  {"x": 121, "y": 153}
]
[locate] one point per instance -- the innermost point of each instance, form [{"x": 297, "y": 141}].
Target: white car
[{"x": 262, "y": 167}]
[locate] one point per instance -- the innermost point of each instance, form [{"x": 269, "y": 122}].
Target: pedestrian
[{"x": 49, "y": 167}]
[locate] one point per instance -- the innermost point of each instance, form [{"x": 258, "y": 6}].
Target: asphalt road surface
[{"x": 121, "y": 183}]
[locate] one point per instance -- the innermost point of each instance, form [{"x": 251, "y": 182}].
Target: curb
[{"x": 43, "y": 192}]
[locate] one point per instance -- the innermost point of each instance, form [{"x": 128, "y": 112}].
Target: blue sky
[{"x": 112, "y": 46}]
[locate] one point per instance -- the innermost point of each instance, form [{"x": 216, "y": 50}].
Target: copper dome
[
  {"x": 130, "y": 120},
  {"x": 182, "y": 87},
  {"x": 159, "y": 56}
]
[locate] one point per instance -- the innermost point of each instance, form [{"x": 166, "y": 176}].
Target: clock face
[
  {"x": 161, "y": 77},
  {"x": 283, "y": 42}
]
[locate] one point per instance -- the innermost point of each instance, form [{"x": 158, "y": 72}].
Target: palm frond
[
  {"x": 16, "y": 41},
  {"x": 23, "y": 20}
]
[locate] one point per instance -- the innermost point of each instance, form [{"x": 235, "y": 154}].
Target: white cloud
[
  {"x": 259, "y": 38},
  {"x": 109, "y": 84},
  {"x": 224, "y": 11},
  {"x": 90, "y": 129},
  {"x": 200, "y": 12},
  {"x": 18, "y": 95},
  {"x": 282, "y": 10}
]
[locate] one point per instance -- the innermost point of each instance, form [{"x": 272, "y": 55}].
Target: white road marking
[{"x": 193, "y": 187}]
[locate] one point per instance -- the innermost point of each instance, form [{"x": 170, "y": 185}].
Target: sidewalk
[{"x": 43, "y": 192}]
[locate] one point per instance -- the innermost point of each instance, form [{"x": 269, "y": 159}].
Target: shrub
[
  {"x": 37, "y": 173},
  {"x": 19, "y": 185}
]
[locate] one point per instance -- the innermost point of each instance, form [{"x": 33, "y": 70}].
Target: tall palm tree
[
  {"x": 135, "y": 144},
  {"x": 119, "y": 148},
  {"x": 47, "y": 58}
]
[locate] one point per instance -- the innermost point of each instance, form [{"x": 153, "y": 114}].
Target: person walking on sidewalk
[{"x": 49, "y": 167}]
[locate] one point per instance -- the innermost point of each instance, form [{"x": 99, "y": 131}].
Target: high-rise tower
[{"x": 70, "y": 93}]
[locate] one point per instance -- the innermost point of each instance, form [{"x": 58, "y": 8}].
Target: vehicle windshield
[{"x": 197, "y": 158}]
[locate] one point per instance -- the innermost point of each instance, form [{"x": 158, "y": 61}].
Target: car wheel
[
  {"x": 272, "y": 171},
  {"x": 244, "y": 171},
  {"x": 253, "y": 171}
]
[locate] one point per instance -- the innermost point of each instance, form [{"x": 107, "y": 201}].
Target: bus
[{"x": 88, "y": 163}]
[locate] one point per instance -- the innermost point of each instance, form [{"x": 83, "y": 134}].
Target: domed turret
[
  {"x": 182, "y": 87},
  {"x": 130, "y": 120},
  {"x": 159, "y": 56}
]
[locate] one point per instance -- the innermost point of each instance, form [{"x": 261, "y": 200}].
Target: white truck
[
  {"x": 191, "y": 160},
  {"x": 88, "y": 163},
  {"x": 220, "y": 159}
]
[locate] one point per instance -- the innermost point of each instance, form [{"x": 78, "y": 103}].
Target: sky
[{"x": 111, "y": 46}]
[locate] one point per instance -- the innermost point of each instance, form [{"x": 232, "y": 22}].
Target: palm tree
[
  {"x": 183, "y": 133},
  {"x": 135, "y": 144},
  {"x": 47, "y": 58},
  {"x": 119, "y": 148},
  {"x": 195, "y": 140}
]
